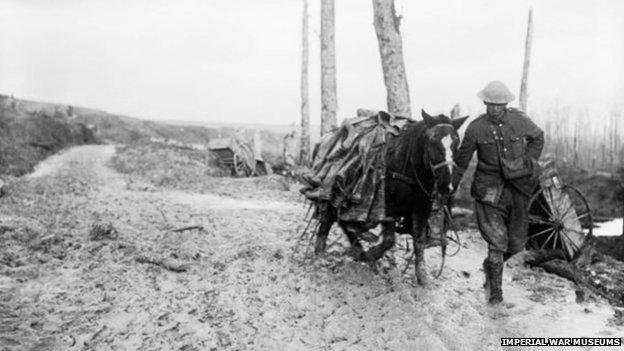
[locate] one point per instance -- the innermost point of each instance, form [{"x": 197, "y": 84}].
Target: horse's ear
[
  {"x": 429, "y": 121},
  {"x": 385, "y": 115},
  {"x": 457, "y": 122}
]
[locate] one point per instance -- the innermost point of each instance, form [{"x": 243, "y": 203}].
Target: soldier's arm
[
  {"x": 535, "y": 140},
  {"x": 464, "y": 155}
]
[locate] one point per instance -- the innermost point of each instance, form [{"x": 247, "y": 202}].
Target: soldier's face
[{"x": 495, "y": 110}]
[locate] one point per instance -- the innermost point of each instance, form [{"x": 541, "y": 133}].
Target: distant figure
[{"x": 508, "y": 145}]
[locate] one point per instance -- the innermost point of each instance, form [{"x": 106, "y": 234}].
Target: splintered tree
[
  {"x": 387, "y": 24},
  {"x": 304, "y": 155},
  {"x": 328, "y": 67},
  {"x": 456, "y": 111},
  {"x": 527, "y": 62}
]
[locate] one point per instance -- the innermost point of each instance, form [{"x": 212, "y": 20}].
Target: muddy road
[{"x": 243, "y": 288}]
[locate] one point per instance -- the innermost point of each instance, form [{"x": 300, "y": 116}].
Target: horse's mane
[
  {"x": 413, "y": 130},
  {"x": 411, "y": 134}
]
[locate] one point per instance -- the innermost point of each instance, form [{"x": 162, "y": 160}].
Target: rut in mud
[{"x": 244, "y": 288}]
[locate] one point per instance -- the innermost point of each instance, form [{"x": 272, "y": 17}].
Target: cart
[
  {"x": 234, "y": 155},
  {"x": 559, "y": 215}
]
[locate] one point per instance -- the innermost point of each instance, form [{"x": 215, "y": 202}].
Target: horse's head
[{"x": 441, "y": 144}]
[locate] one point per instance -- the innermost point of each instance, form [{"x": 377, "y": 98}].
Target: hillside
[
  {"x": 27, "y": 136},
  {"x": 33, "y": 125}
]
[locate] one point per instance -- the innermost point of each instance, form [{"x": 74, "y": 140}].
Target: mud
[{"x": 244, "y": 287}]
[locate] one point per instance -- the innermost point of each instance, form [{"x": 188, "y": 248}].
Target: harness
[
  {"x": 431, "y": 194},
  {"x": 416, "y": 180}
]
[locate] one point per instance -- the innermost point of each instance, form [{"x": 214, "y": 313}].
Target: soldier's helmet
[{"x": 496, "y": 92}]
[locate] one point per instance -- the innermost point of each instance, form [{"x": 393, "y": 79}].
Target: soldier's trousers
[{"x": 505, "y": 225}]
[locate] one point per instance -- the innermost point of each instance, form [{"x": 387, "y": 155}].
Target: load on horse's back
[{"x": 382, "y": 169}]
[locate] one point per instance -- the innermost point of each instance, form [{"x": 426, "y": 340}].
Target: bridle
[
  {"x": 433, "y": 167},
  {"x": 431, "y": 194}
]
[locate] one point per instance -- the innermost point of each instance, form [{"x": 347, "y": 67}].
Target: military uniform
[
  {"x": 508, "y": 145},
  {"x": 501, "y": 203}
]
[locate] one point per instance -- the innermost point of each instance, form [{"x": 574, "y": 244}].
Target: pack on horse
[{"x": 419, "y": 167}]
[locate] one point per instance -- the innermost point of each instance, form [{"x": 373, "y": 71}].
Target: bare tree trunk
[
  {"x": 616, "y": 139},
  {"x": 527, "y": 61},
  {"x": 391, "y": 51},
  {"x": 576, "y": 142},
  {"x": 304, "y": 155},
  {"x": 328, "y": 67},
  {"x": 456, "y": 111},
  {"x": 612, "y": 136},
  {"x": 603, "y": 148}
]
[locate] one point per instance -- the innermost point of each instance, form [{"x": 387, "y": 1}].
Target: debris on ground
[
  {"x": 190, "y": 227},
  {"x": 103, "y": 231},
  {"x": 591, "y": 270},
  {"x": 167, "y": 263}
]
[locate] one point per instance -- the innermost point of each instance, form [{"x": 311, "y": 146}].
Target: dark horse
[{"x": 419, "y": 167}]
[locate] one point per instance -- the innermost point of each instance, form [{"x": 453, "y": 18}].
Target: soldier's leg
[
  {"x": 492, "y": 223},
  {"x": 518, "y": 223}
]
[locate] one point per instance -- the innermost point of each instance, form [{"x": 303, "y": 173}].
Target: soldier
[{"x": 508, "y": 145}]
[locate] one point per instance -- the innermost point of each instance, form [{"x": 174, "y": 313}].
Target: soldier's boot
[
  {"x": 419, "y": 264},
  {"x": 496, "y": 282},
  {"x": 493, "y": 268}
]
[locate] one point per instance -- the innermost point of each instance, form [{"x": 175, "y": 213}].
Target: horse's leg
[
  {"x": 419, "y": 239},
  {"x": 352, "y": 231},
  {"x": 321, "y": 237},
  {"x": 326, "y": 222},
  {"x": 388, "y": 239}
]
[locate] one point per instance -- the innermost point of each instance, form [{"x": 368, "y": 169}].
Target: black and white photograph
[{"x": 311, "y": 175}]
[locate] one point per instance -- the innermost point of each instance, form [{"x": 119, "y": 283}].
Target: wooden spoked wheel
[
  {"x": 241, "y": 169},
  {"x": 559, "y": 218}
]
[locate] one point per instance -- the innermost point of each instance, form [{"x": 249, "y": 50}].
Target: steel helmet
[{"x": 496, "y": 92}]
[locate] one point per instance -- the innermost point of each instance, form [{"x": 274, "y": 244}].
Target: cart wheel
[
  {"x": 237, "y": 165},
  {"x": 559, "y": 218},
  {"x": 241, "y": 169}
]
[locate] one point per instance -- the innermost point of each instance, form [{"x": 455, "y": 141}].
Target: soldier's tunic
[{"x": 501, "y": 204}]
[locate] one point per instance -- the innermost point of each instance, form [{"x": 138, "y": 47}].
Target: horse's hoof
[
  {"x": 422, "y": 277},
  {"x": 495, "y": 300},
  {"x": 358, "y": 255},
  {"x": 319, "y": 247},
  {"x": 373, "y": 266},
  {"x": 424, "y": 282},
  {"x": 368, "y": 257}
]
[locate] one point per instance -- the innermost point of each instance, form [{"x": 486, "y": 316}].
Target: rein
[{"x": 431, "y": 194}]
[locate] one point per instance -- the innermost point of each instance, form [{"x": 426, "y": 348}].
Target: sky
[{"x": 240, "y": 60}]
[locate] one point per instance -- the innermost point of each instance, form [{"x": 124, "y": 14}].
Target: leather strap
[{"x": 403, "y": 178}]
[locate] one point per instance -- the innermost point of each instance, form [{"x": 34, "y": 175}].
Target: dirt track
[{"x": 244, "y": 289}]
